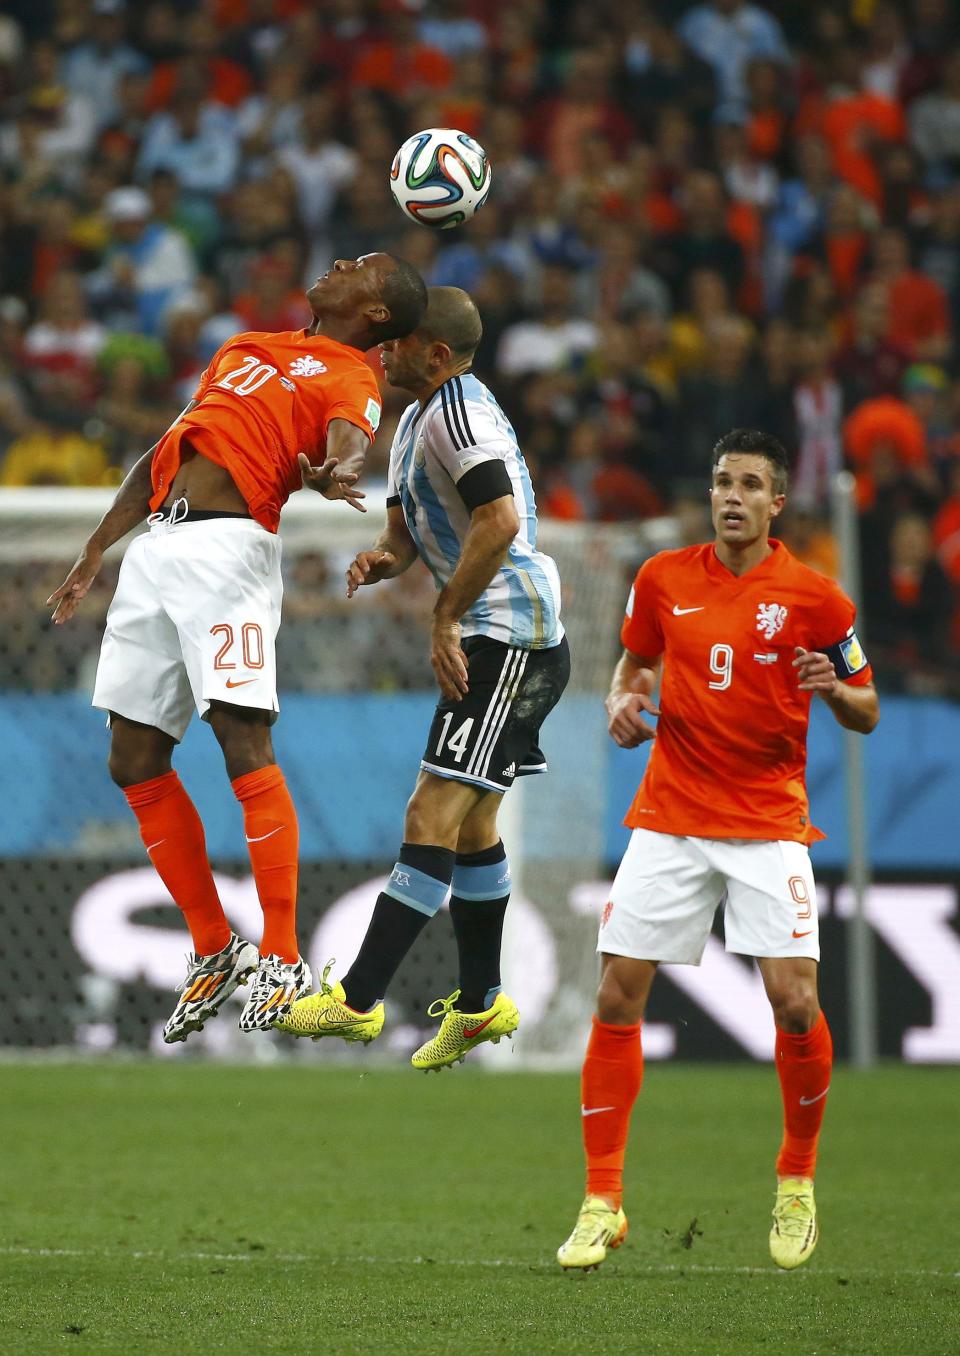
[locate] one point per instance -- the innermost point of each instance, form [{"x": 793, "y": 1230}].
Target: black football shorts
[{"x": 490, "y": 737}]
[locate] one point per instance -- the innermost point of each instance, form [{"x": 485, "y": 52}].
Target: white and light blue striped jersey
[{"x": 460, "y": 427}]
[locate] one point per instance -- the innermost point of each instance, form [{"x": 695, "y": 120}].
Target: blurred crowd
[{"x": 703, "y": 215}]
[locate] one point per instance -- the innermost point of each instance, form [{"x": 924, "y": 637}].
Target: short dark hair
[
  {"x": 760, "y": 444},
  {"x": 404, "y": 293},
  {"x": 453, "y": 319}
]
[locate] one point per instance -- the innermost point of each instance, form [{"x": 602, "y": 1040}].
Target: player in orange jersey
[
  {"x": 197, "y": 607},
  {"x": 745, "y": 636}
]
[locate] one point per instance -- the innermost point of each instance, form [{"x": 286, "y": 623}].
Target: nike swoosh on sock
[{"x": 267, "y": 835}]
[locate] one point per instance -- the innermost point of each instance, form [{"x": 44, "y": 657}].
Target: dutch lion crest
[
  {"x": 770, "y": 619},
  {"x": 307, "y": 367}
]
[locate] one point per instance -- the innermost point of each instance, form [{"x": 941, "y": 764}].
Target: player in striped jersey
[{"x": 460, "y": 498}]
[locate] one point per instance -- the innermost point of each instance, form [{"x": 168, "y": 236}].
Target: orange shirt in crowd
[
  {"x": 729, "y": 759},
  {"x": 396, "y": 70},
  {"x": 946, "y": 536},
  {"x": 264, "y": 399},
  {"x": 851, "y": 125},
  {"x": 229, "y": 83},
  {"x": 882, "y": 421},
  {"x": 918, "y": 310}
]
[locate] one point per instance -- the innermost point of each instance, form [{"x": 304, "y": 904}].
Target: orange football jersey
[
  {"x": 263, "y": 399},
  {"x": 729, "y": 759}
]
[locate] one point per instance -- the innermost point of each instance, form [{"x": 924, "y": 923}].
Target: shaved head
[{"x": 451, "y": 319}]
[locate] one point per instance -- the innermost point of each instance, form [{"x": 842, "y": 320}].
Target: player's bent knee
[
  {"x": 137, "y": 753},
  {"x": 795, "y": 1010},
  {"x": 436, "y": 811},
  {"x": 243, "y": 734},
  {"x": 620, "y": 1001}
]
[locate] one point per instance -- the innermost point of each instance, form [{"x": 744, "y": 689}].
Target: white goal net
[{"x": 356, "y": 696}]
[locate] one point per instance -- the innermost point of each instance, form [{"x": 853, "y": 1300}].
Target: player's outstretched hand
[
  {"x": 448, "y": 660},
  {"x": 626, "y": 724},
  {"x": 369, "y": 567},
  {"x": 325, "y": 480},
  {"x": 815, "y": 672},
  {"x": 76, "y": 586}
]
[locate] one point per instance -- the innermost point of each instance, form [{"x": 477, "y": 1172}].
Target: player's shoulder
[
  {"x": 676, "y": 562},
  {"x": 244, "y": 337},
  {"x": 812, "y": 584},
  {"x": 463, "y": 412}
]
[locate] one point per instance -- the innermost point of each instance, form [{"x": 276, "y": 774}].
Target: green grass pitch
[{"x": 189, "y": 1208}]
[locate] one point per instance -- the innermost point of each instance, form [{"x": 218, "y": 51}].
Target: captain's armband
[{"x": 847, "y": 656}]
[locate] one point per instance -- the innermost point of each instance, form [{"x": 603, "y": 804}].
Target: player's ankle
[{"x": 611, "y": 1198}]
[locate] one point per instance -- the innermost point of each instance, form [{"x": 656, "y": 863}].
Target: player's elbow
[
  {"x": 870, "y": 713},
  {"x": 500, "y": 522},
  {"x": 865, "y": 720},
  {"x": 508, "y": 521}
]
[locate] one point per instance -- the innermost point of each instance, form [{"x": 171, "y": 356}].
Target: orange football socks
[
  {"x": 609, "y": 1084},
  {"x": 273, "y": 838},
  {"x": 173, "y": 836},
  {"x": 804, "y": 1062}
]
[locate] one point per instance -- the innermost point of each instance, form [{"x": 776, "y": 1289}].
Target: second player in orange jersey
[
  {"x": 729, "y": 759},
  {"x": 194, "y": 619},
  {"x": 741, "y": 636}
]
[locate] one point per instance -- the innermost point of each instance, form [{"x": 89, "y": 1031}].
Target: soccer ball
[{"x": 440, "y": 177}]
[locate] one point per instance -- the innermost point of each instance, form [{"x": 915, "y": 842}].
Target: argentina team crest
[{"x": 770, "y": 619}]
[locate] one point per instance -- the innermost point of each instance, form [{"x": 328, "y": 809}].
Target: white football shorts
[
  {"x": 667, "y": 890},
  {"x": 194, "y": 620}
]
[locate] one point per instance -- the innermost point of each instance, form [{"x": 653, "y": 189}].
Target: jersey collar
[{"x": 717, "y": 570}]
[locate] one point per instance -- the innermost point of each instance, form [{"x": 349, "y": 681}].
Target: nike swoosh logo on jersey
[
  {"x": 595, "y": 1110},
  {"x": 470, "y": 1031},
  {"x": 151, "y": 846},
  {"x": 809, "y": 1101},
  {"x": 682, "y": 611},
  {"x": 266, "y": 835},
  {"x": 802, "y": 934},
  {"x": 241, "y": 683}
]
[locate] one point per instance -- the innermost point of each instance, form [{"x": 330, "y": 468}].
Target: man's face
[
  {"x": 406, "y": 361},
  {"x": 350, "y": 285},
  {"x": 742, "y": 498}
]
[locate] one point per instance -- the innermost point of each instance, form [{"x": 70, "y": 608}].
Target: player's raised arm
[
  {"x": 129, "y": 508},
  {"x": 393, "y": 552},
  {"x": 631, "y": 693},
  {"x": 493, "y": 526},
  {"x": 347, "y": 446}
]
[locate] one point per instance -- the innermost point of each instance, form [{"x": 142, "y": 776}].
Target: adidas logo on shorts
[{"x": 510, "y": 771}]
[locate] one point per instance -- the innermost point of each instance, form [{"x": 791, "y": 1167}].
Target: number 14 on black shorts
[{"x": 491, "y": 736}]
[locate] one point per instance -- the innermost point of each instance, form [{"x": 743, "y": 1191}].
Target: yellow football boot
[
  {"x": 598, "y": 1228},
  {"x": 794, "y": 1233},
  {"x": 326, "y": 1014},
  {"x": 461, "y": 1031}
]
